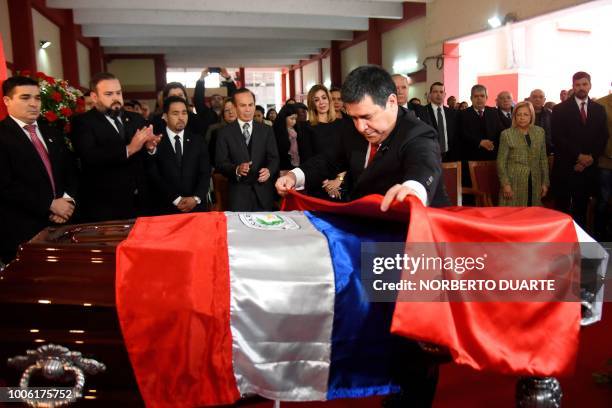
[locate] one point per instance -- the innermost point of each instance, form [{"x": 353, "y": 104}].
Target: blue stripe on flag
[{"x": 362, "y": 359}]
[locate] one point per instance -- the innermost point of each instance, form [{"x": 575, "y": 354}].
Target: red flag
[
  {"x": 525, "y": 338},
  {"x": 3, "y": 76},
  {"x": 191, "y": 285}
]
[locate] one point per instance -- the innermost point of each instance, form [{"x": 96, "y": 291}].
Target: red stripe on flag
[
  {"x": 173, "y": 301},
  {"x": 3, "y": 76},
  {"x": 535, "y": 338}
]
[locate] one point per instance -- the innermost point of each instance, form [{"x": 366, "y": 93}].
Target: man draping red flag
[
  {"x": 3, "y": 76},
  {"x": 216, "y": 305}
]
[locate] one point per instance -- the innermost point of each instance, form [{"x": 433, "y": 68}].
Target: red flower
[
  {"x": 56, "y": 96},
  {"x": 25, "y": 73},
  {"x": 80, "y": 102},
  {"x": 41, "y": 75},
  {"x": 67, "y": 112},
  {"x": 50, "y": 80},
  {"x": 51, "y": 116}
]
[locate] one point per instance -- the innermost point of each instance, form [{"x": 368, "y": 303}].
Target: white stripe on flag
[
  {"x": 281, "y": 309},
  {"x": 590, "y": 249}
]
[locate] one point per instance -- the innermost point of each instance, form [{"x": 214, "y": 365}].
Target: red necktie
[
  {"x": 40, "y": 149},
  {"x": 373, "y": 150},
  {"x": 480, "y": 113},
  {"x": 583, "y": 115}
]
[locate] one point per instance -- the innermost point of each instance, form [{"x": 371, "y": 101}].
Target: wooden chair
[
  {"x": 485, "y": 182},
  {"x": 220, "y": 187},
  {"x": 451, "y": 175}
]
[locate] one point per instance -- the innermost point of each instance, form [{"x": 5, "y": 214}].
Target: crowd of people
[{"x": 367, "y": 137}]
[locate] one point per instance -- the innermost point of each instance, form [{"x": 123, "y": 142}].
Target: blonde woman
[
  {"x": 320, "y": 135},
  {"x": 522, "y": 164}
]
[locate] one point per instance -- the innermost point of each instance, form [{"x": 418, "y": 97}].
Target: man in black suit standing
[
  {"x": 384, "y": 149},
  {"x": 179, "y": 169},
  {"x": 109, "y": 143},
  {"x": 504, "y": 108},
  {"x": 247, "y": 155},
  {"x": 443, "y": 119},
  {"x": 37, "y": 180},
  {"x": 580, "y": 134},
  {"x": 480, "y": 128}
]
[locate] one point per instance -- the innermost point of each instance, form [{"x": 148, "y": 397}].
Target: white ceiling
[{"x": 200, "y": 33}]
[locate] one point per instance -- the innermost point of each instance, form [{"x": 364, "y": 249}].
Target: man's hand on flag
[
  {"x": 285, "y": 183},
  {"x": 396, "y": 193}
]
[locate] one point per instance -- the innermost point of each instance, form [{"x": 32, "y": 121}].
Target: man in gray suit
[{"x": 247, "y": 155}]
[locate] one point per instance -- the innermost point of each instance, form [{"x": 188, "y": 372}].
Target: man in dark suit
[
  {"x": 580, "y": 134},
  {"x": 443, "y": 119},
  {"x": 37, "y": 180},
  {"x": 480, "y": 128},
  {"x": 504, "y": 108},
  {"x": 198, "y": 123},
  {"x": 179, "y": 169},
  {"x": 109, "y": 144},
  {"x": 543, "y": 116},
  {"x": 247, "y": 155},
  {"x": 384, "y": 150}
]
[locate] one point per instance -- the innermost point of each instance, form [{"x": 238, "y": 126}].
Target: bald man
[
  {"x": 542, "y": 116},
  {"x": 504, "y": 108},
  {"x": 402, "y": 85}
]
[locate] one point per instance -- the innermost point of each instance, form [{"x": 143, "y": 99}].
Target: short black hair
[
  {"x": 244, "y": 90},
  {"x": 435, "y": 84},
  {"x": 173, "y": 85},
  {"x": 261, "y": 109},
  {"x": 335, "y": 89},
  {"x": 9, "y": 84},
  {"x": 173, "y": 99},
  {"x": 99, "y": 77},
  {"x": 580, "y": 75},
  {"x": 369, "y": 80}
]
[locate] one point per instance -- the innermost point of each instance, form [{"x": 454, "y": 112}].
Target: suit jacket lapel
[
  {"x": 256, "y": 142},
  {"x": 110, "y": 129},
  {"x": 433, "y": 117},
  {"x": 128, "y": 128},
  {"x": 241, "y": 140},
  {"x": 52, "y": 149}
]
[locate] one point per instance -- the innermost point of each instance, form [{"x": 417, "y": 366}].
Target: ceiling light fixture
[{"x": 494, "y": 22}]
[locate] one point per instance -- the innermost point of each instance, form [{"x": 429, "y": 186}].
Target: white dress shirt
[
  {"x": 241, "y": 124},
  {"x": 435, "y": 112},
  {"x": 586, "y": 104},
  {"x": 171, "y": 134},
  {"x": 22, "y": 125}
]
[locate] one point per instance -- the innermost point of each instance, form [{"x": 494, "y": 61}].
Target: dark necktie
[
  {"x": 42, "y": 153},
  {"x": 178, "y": 150},
  {"x": 120, "y": 127},
  {"x": 373, "y": 150},
  {"x": 246, "y": 133},
  {"x": 583, "y": 114},
  {"x": 441, "y": 137},
  {"x": 508, "y": 115},
  {"x": 480, "y": 113}
]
